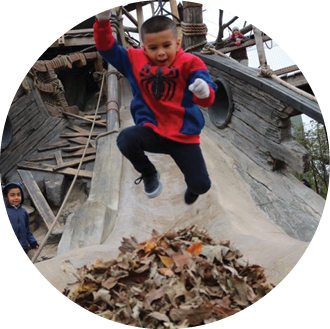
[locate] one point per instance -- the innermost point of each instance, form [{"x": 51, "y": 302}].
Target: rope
[
  {"x": 73, "y": 181},
  {"x": 269, "y": 73},
  {"x": 264, "y": 72},
  {"x": 195, "y": 46},
  {"x": 115, "y": 72},
  {"x": 191, "y": 29}
]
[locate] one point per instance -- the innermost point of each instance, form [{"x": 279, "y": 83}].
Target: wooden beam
[
  {"x": 286, "y": 70},
  {"x": 39, "y": 201},
  {"x": 73, "y": 135},
  {"x": 58, "y": 157},
  {"x": 38, "y": 158},
  {"x": 260, "y": 47},
  {"x": 67, "y": 114},
  {"x": 249, "y": 75},
  {"x": 175, "y": 12},
  {"x": 130, "y": 17},
  {"x": 50, "y": 168},
  {"x": 246, "y": 44},
  {"x": 73, "y": 163},
  {"x": 53, "y": 146},
  {"x": 192, "y": 15},
  {"x": 139, "y": 12}
]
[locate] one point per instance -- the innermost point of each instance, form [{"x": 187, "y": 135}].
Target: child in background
[
  {"x": 167, "y": 86},
  {"x": 18, "y": 216},
  {"x": 236, "y": 39}
]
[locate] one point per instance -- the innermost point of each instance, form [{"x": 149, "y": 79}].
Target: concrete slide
[
  {"x": 260, "y": 212},
  {"x": 229, "y": 211}
]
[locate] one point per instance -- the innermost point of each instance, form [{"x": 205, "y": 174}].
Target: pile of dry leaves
[{"x": 175, "y": 280}]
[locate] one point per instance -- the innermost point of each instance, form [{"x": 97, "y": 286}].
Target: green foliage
[{"x": 313, "y": 137}]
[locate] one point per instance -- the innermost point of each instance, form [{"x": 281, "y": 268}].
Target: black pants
[{"x": 134, "y": 141}]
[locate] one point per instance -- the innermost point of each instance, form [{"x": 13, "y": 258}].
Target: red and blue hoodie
[{"x": 161, "y": 99}]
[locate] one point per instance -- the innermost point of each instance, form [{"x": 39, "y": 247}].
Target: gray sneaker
[{"x": 152, "y": 185}]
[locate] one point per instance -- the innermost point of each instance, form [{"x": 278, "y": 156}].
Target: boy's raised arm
[{"x": 103, "y": 37}]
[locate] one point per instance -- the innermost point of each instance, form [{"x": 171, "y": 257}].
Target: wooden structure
[
  {"x": 251, "y": 113},
  {"x": 257, "y": 112}
]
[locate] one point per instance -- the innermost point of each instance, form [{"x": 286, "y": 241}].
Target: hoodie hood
[{"x": 12, "y": 185}]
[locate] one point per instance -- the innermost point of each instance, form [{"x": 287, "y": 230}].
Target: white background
[{"x": 27, "y": 299}]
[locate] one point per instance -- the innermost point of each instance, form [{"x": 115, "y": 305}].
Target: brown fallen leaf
[
  {"x": 153, "y": 295},
  {"x": 166, "y": 271},
  {"x": 167, "y": 261},
  {"x": 159, "y": 316},
  {"x": 195, "y": 317},
  {"x": 195, "y": 249},
  {"x": 149, "y": 246},
  {"x": 169, "y": 281},
  {"x": 181, "y": 261}
]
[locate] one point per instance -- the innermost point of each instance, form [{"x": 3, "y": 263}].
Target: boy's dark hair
[
  {"x": 9, "y": 187},
  {"x": 157, "y": 24}
]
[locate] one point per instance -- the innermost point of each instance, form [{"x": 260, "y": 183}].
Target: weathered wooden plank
[
  {"x": 239, "y": 146},
  {"x": 89, "y": 151},
  {"x": 39, "y": 201},
  {"x": 58, "y": 157},
  {"x": 73, "y": 163},
  {"x": 79, "y": 140},
  {"x": 92, "y": 117},
  {"x": 37, "y": 97},
  {"x": 20, "y": 105},
  {"x": 17, "y": 116},
  {"x": 21, "y": 148},
  {"x": 83, "y": 141},
  {"x": 73, "y": 135},
  {"x": 50, "y": 168},
  {"x": 72, "y": 148},
  {"x": 296, "y": 101},
  {"x": 268, "y": 113},
  {"x": 25, "y": 141},
  {"x": 40, "y": 157},
  {"x": 242, "y": 87},
  {"x": 22, "y": 143},
  {"x": 54, "y": 145},
  {"x": 78, "y": 129},
  {"x": 256, "y": 123},
  {"x": 82, "y": 118},
  {"x": 30, "y": 113},
  {"x": 290, "y": 152},
  {"x": 72, "y": 172}
]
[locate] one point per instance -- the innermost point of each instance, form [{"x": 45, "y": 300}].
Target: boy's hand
[
  {"x": 104, "y": 16},
  {"x": 200, "y": 88}
]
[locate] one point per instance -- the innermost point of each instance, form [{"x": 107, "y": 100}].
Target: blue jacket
[{"x": 20, "y": 221}]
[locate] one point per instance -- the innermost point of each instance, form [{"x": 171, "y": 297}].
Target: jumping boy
[
  {"x": 167, "y": 86},
  {"x": 18, "y": 216}
]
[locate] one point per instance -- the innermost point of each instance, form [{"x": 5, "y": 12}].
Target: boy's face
[
  {"x": 161, "y": 47},
  {"x": 14, "y": 197}
]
